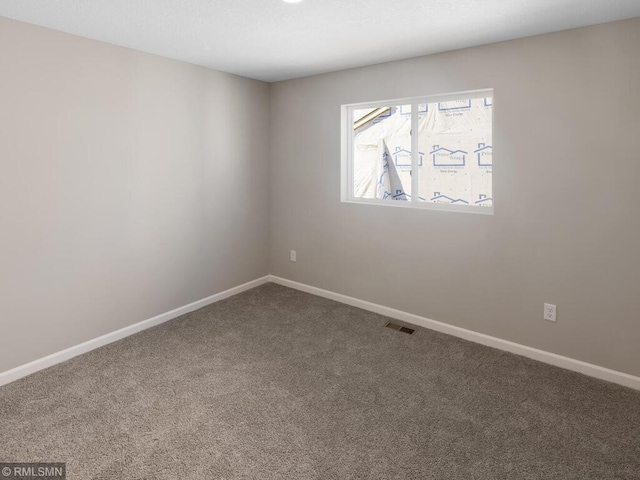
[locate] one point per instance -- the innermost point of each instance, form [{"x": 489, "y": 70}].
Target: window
[{"x": 426, "y": 152}]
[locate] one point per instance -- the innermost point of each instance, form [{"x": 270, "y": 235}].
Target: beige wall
[
  {"x": 566, "y": 228},
  {"x": 129, "y": 185}
]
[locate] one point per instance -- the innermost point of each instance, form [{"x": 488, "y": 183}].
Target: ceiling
[{"x": 271, "y": 40}]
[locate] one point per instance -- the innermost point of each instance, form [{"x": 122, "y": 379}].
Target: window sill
[{"x": 442, "y": 207}]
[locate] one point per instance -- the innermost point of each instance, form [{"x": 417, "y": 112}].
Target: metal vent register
[{"x": 400, "y": 328}]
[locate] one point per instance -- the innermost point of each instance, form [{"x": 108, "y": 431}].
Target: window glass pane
[
  {"x": 382, "y": 153},
  {"x": 455, "y": 147}
]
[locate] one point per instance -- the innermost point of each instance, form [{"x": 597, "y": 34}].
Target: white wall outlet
[
  {"x": 549, "y": 312},
  {"x": 293, "y": 255}
]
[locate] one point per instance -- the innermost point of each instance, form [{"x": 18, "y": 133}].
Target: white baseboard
[
  {"x": 63, "y": 355},
  {"x": 530, "y": 352}
]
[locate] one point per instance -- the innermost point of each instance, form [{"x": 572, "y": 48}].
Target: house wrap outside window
[{"x": 452, "y": 167}]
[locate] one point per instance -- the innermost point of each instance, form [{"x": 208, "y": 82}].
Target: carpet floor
[{"x": 279, "y": 384}]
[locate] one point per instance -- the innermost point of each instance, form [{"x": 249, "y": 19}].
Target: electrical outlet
[
  {"x": 549, "y": 312},
  {"x": 293, "y": 255}
]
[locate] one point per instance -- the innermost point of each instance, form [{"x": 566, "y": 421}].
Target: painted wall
[
  {"x": 566, "y": 228},
  {"x": 130, "y": 185}
]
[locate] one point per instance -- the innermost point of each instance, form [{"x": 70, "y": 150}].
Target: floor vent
[{"x": 400, "y": 328}]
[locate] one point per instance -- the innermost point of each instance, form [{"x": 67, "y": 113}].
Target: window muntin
[{"x": 453, "y": 165}]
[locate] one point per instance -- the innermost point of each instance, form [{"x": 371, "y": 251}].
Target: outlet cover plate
[{"x": 550, "y": 312}]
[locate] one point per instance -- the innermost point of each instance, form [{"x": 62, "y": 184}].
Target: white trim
[
  {"x": 442, "y": 207},
  {"x": 440, "y": 97},
  {"x": 530, "y": 352},
  {"x": 63, "y": 355}
]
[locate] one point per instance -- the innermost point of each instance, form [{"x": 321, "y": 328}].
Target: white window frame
[{"x": 346, "y": 175}]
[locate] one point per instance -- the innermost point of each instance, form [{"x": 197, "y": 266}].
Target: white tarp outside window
[{"x": 454, "y": 163}]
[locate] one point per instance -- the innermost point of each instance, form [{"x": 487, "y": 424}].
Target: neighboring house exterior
[
  {"x": 406, "y": 109},
  {"x": 389, "y": 183},
  {"x": 439, "y": 198},
  {"x": 484, "y": 155},
  {"x": 484, "y": 201},
  {"x": 402, "y": 157},
  {"x": 454, "y": 105},
  {"x": 444, "y": 157}
]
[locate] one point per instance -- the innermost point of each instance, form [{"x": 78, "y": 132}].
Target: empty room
[{"x": 265, "y": 239}]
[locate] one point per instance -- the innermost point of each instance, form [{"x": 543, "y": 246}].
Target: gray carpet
[{"x": 278, "y": 384}]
